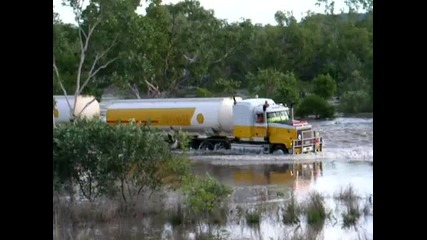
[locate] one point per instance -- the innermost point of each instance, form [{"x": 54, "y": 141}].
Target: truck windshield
[{"x": 279, "y": 116}]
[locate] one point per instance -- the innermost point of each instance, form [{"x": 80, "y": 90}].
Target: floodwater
[
  {"x": 266, "y": 182},
  {"x": 345, "y": 139},
  {"x": 258, "y": 179},
  {"x": 272, "y": 184}
]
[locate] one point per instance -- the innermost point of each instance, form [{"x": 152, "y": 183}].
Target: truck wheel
[
  {"x": 206, "y": 146},
  {"x": 220, "y": 145},
  {"x": 280, "y": 150}
]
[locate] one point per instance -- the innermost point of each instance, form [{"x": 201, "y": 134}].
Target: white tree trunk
[
  {"x": 84, "y": 39},
  {"x": 54, "y": 124}
]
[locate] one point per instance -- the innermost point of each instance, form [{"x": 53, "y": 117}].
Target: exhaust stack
[{"x": 291, "y": 111}]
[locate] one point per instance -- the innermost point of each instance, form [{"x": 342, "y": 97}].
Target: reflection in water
[
  {"x": 269, "y": 174},
  {"x": 263, "y": 190},
  {"x": 268, "y": 187},
  {"x": 255, "y": 183}
]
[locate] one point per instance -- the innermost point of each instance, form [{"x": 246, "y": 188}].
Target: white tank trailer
[
  {"x": 224, "y": 122},
  {"x": 62, "y": 112},
  {"x": 201, "y": 118},
  {"x": 197, "y": 116}
]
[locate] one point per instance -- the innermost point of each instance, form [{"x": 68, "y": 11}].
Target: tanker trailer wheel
[
  {"x": 220, "y": 145},
  {"x": 279, "y": 150},
  {"x": 206, "y": 145}
]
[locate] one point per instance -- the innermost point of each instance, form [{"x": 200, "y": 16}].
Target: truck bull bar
[{"x": 309, "y": 142}]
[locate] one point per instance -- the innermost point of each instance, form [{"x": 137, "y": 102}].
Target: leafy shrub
[
  {"x": 324, "y": 86},
  {"x": 355, "y": 102},
  {"x": 110, "y": 159},
  {"x": 203, "y": 195},
  {"x": 317, "y": 106}
]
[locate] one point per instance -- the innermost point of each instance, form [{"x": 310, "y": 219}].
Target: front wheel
[{"x": 280, "y": 150}]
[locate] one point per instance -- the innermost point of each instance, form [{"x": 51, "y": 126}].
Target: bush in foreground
[{"x": 108, "y": 160}]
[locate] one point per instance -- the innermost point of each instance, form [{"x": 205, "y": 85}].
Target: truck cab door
[{"x": 259, "y": 130}]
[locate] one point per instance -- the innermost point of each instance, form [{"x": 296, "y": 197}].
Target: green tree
[
  {"x": 317, "y": 106},
  {"x": 226, "y": 86},
  {"x": 355, "y": 101},
  {"x": 86, "y": 28},
  {"x": 288, "y": 89},
  {"x": 324, "y": 85},
  {"x": 175, "y": 47},
  {"x": 283, "y": 87}
]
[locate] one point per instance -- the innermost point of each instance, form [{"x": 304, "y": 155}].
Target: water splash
[
  {"x": 340, "y": 154},
  {"x": 345, "y": 139}
]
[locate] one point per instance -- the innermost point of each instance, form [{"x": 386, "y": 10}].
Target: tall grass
[{"x": 86, "y": 220}]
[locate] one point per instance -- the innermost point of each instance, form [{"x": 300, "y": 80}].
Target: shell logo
[{"x": 200, "y": 118}]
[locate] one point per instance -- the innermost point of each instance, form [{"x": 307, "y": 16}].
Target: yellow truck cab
[{"x": 261, "y": 122}]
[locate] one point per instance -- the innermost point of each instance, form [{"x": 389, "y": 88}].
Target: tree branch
[
  {"x": 134, "y": 90},
  {"x": 83, "y": 49},
  {"x": 84, "y": 34},
  {"x": 174, "y": 85},
  {"x": 60, "y": 83},
  {"x": 223, "y": 57},
  {"x": 171, "y": 42},
  {"x": 191, "y": 60},
  {"x": 92, "y": 74},
  {"x": 152, "y": 88},
  {"x": 123, "y": 190},
  {"x": 87, "y": 105}
]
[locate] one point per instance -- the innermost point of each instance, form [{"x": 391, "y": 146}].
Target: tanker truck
[
  {"x": 245, "y": 125},
  {"x": 62, "y": 111}
]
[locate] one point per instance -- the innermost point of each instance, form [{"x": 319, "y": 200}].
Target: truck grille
[
  {"x": 307, "y": 142},
  {"x": 305, "y": 133}
]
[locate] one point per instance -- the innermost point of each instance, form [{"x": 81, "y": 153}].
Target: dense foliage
[
  {"x": 110, "y": 160},
  {"x": 125, "y": 160},
  {"x": 182, "y": 46}
]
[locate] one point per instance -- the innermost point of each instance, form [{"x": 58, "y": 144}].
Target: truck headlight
[{"x": 299, "y": 136}]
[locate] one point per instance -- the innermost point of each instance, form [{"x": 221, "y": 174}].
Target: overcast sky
[{"x": 233, "y": 10}]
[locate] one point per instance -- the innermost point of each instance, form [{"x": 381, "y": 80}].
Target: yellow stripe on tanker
[{"x": 198, "y": 116}]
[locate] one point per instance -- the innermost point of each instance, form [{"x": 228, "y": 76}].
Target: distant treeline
[{"x": 181, "y": 46}]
